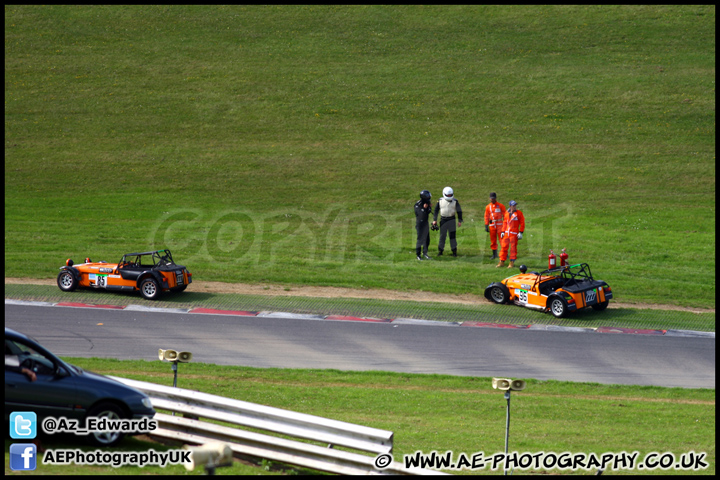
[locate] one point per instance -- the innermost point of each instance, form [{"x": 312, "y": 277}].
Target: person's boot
[
  {"x": 501, "y": 264},
  {"x": 512, "y": 264},
  {"x": 439, "y": 252},
  {"x": 417, "y": 254},
  {"x": 494, "y": 255},
  {"x": 455, "y": 252}
]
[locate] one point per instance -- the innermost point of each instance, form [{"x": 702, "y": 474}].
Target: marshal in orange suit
[
  {"x": 494, "y": 214},
  {"x": 512, "y": 231}
]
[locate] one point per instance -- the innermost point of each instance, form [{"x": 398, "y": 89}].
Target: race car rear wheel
[
  {"x": 601, "y": 306},
  {"x": 67, "y": 281},
  {"x": 499, "y": 294},
  {"x": 149, "y": 289},
  {"x": 558, "y": 307}
]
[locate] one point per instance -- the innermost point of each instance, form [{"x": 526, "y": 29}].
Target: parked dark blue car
[{"x": 64, "y": 390}]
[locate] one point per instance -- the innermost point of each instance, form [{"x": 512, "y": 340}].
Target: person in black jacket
[{"x": 423, "y": 208}]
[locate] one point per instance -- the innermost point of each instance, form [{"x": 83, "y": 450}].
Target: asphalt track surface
[{"x": 344, "y": 345}]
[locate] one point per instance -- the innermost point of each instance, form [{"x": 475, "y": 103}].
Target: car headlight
[{"x": 147, "y": 403}]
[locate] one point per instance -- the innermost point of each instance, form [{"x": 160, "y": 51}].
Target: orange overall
[
  {"x": 494, "y": 213},
  {"x": 512, "y": 224}
]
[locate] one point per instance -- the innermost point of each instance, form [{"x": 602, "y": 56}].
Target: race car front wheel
[
  {"x": 66, "y": 281},
  {"x": 558, "y": 307},
  {"x": 499, "y": 294},
  {"x": 149, "y": 289},
  {"x": 601, "y": 306}
]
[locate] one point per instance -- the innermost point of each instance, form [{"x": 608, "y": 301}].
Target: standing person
[
  {"x": 512, "y": 231},
  {"x": 447, "y": 206},
  {"x": 494, "y": 214},
  {"x": 423, "y": 207}
]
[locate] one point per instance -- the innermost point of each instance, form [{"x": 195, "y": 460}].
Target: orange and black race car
[
  {"x": 150, "y": 272},
  {"x": 559, "y": 291}
]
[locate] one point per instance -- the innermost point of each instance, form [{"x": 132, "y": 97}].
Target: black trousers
[
  {"x": 447, "y": 228},
  {"x": 423, "y": 237}
]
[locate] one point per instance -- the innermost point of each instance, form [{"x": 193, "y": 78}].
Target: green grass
[
  {"x": 287, "y": 144},
  {"x": 487, "y": 312},
  {"x": 463, "y": 414}
]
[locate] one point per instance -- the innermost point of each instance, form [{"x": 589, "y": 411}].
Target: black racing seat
[
  {"x": 130, "y": 271},
  {"x": 549, "y": 286}
]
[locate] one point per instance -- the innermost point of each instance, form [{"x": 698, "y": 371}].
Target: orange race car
[
  {"x": 560, "y": 290},
  {"x": 150, "y": 272}
]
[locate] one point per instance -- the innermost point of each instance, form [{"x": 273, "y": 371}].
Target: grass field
[
  {"x": 463, "y": 414},
  {"x": 287, "y": 144}
]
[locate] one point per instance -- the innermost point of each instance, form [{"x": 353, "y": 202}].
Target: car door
[{"x": 54, "y": 391}]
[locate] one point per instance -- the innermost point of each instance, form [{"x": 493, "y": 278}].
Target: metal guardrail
[{"x": 196, "y": 405}]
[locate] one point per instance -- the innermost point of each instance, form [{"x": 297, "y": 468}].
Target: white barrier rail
[{"x": 195, "y": 405}]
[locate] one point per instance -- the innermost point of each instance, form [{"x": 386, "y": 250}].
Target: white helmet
[{"x": 448, "y": 193}]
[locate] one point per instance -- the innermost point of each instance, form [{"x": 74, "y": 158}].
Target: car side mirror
[{"x": 60, "y": 372}]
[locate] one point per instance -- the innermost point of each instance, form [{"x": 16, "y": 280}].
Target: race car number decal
[
  {"x": 96, "y": 280},
  {"x": 521, "y": 295}
]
